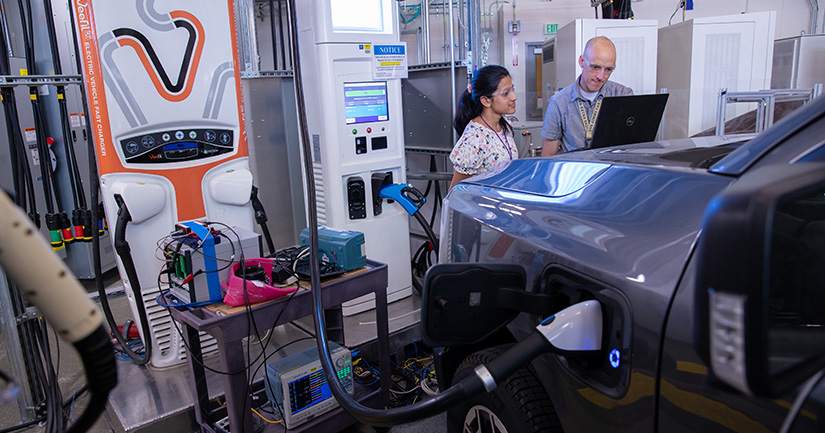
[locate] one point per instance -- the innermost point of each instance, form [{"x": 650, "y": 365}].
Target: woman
[{"x": 486, "y": 136}]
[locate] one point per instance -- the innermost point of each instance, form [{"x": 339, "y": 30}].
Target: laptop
[{"x": 628, "y": 119}]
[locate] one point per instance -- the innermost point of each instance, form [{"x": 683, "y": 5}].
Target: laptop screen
[{"x": 628, "y": 119}]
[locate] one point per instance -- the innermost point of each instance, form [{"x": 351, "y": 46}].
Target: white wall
[{"x": 792, "y": 18}]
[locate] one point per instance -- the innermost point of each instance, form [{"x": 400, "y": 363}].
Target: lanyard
[
  {"x": 588, "y": 124},
  {"x": 506, "y": 144}
]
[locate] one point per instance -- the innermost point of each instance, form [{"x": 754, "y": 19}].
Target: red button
[{"x": 369, "y": 130}]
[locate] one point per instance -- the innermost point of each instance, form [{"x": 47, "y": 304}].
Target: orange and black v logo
[{"x": 182, "y": 87}]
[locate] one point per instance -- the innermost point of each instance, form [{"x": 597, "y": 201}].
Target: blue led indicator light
[{"x": 614, "y": 358}]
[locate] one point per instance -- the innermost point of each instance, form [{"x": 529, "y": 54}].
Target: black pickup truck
[{"x": 707, "y": 256}]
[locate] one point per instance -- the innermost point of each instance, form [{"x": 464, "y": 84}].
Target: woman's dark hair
[{"x": 485, "y": 83}]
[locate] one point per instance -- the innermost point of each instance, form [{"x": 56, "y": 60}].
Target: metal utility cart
[{"x": 230, "y": 330}]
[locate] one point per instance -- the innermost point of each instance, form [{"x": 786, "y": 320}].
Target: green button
[{"x": 354, "y": 131}]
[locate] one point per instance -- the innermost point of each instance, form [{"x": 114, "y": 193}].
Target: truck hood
[
  {"x": 686, "y": 153},
  {"x": 616, "y": 222}
]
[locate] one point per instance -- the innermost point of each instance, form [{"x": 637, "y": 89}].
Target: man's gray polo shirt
[{"x": 563, "y": 121}]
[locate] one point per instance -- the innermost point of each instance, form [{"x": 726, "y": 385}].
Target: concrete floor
[{"x": 71, "y": 377}]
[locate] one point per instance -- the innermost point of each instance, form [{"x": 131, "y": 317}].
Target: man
[{"x": 571, "y": 113}]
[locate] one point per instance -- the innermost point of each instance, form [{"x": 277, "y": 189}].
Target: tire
[{"x": 518, "y": 405}]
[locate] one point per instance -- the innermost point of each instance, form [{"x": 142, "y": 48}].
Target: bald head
[
  {"x": 599, "y": 45},
  {"x": 597, "y": 62}
]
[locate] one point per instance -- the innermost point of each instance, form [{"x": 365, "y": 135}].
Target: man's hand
[{"x": 549, "y": 147}]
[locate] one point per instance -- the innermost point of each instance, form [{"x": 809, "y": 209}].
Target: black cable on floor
[
  {"x": 54, "y": 397},
  {"x": 22, "y": 425}
]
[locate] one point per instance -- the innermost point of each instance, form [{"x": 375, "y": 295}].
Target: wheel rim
[{"x": 481, "y": 419}]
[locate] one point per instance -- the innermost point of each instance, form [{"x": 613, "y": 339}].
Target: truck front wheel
[{"x": 519, "y": 404}]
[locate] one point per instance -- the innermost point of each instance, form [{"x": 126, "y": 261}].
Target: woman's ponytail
[{"x": 466, "y": 111}]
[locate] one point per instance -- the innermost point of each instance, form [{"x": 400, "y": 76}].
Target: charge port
[{"x": 608, "y": 369}]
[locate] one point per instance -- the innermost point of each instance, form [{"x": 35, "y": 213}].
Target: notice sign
[{"x": 389, "y": 61}]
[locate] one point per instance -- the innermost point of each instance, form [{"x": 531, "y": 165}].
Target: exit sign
[{"x": 551, "y": 29}]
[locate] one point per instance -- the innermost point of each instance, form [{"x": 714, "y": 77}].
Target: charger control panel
[{"x": 177, "y": 145}]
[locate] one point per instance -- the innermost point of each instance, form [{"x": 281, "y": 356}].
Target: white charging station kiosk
[
  {"x": 352, "y": 63},
  {"x": 167, "y": 119}
]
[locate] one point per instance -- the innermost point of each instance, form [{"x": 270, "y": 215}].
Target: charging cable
[
  {"x": 487, "y": 376},
  {"x": 49, "y": 284},
  {"x": 125, "y": 253},
  {"x": 411, "y": 199}
]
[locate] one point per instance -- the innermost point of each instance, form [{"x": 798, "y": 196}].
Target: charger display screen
[{"x": 366, "y": 102}]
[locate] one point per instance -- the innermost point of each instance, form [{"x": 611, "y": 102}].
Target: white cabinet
[
  {"x": 635, "y": 42},
  {"x": 798, "y": 62},
  {"x": 700, "y": 56}
]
